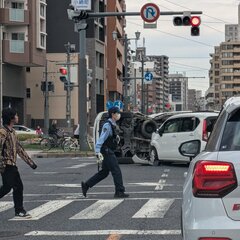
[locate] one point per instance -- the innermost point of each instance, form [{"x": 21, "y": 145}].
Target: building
[
  {"x": 191, "y": 103},
  {"x": 23, "y": 45},
  {"x": 178, "y": 88}
]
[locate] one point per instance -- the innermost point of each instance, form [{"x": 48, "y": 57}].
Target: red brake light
[
  {"x": 195, "y": 21},
  {"x": 204, "y": 131},
  {"x": 213, "y": 179}
]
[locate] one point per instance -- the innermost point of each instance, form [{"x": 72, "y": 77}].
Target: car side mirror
[{"x": 190, "y": 148}]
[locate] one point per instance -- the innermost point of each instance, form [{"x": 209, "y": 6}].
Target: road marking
[
  {"x": 103, "y": 232},
  {"x": 5, "y": 206},
  {"x": 98, "y": 209},
  {"x": 80, "y": 165},
  {"x": 154, "y": 208},
  {"x": 160, "y": 184},
  {"x": 45, "y": 209},
  {"x": 63, "y": 185},
  {"x": 166, "y": 170},
  {"x": 45, "y": 173},
  {"x": 164, "y": 175}
]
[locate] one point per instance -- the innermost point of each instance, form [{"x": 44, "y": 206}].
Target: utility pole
[
  {"x": 46, "y": 100},
  {"x": 125, "y": 98},
  {"x": 68, "y": 96}
]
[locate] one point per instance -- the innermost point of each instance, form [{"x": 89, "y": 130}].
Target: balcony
[
  {"x": 11, "y": 16},
  {"x": 16, "y": 52}
]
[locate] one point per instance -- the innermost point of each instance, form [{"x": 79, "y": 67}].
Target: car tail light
[
  {"x": 204, "y": 131},
  {"x": 213, "y": 238},
  {"x": 213, "y": 179}
]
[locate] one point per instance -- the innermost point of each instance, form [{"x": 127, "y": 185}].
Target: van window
[
  {"x": 171, "y": 126},
  {"x": 231, "y": 136}
]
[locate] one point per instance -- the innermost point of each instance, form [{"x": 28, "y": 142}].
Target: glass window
[
  {"x": 189, "y": 124},
  {"x": 171, "y": 126}
]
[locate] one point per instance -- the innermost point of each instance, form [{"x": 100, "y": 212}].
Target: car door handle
[{"x": 191, "y": 134}]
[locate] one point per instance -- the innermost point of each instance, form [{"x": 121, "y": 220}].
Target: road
[{"x": 52, "y": 195}]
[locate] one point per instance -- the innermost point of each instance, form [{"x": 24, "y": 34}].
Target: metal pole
[
  {"x": 1, "y": 62},
  {"x": 125, "y": 95},
  {"x": 142, "y": 84},
  {"x": 68, "y": 96},
  {"x": 82, "y": 91},
  {"x": 147, "y": 101},
  {"x": 46, "y": 103},
  {"x": 135, "y": 90}
]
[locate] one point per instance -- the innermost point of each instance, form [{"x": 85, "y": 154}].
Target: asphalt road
[{"x": 52, "y": 194}]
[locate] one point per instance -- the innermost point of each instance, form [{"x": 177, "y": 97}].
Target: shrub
[{"x": 24, "y": 137}]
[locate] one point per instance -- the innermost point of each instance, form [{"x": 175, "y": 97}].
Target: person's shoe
[
  {"x": 84, "y": 189},
  {"x": 121, "y": 195},
  {"x": 23, "y": 214}
]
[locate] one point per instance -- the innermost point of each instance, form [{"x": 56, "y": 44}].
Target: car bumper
[{"x": 208, "y": 218}]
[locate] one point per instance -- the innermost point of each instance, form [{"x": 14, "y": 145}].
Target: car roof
[
  {"x": 231, "y": 104},
  {"x": 195, "y": 114}
]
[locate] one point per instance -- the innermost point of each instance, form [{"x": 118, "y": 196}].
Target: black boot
[
  {"x": 121, "y": 195},
  {"x": 84, "y": 189}
]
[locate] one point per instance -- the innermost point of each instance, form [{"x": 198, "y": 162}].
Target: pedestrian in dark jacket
[
  {"x": 104, "y": 149},
  {"x": 9, "y": 148}
]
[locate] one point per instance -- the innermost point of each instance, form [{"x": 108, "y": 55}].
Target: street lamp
[{"x": 125, "y": 77}]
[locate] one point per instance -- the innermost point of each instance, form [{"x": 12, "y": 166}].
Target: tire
[
  {"x": 46, "y": 144},
  {"x": 148, "y": 127},
  {"x": 153, "y": 157},
  {"x": 69, "y": 146}
]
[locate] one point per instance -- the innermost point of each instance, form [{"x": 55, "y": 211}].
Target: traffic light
[
  {"x": 188, "y": 20},
  {"x": 64, "y": 73},
  {"x": 50, "y": 86},
  {"x": 70, "y": 84}
]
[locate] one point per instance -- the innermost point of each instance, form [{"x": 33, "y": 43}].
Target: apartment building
[
  {"x": 191, "y": 103},
  {"x": 23, "y": 45},
  {"x": 115, "y": 50},
  {"x": 178, "y": 88}
]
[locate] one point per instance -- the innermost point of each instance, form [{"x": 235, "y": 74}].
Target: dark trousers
[
  {"x": 109, "y": 164},
  {"x": 12, "y": 180}
]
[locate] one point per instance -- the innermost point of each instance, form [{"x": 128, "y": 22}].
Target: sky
[{"x": 187, "y": 54}]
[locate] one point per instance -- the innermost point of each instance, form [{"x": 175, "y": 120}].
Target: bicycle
[{"x": 72, "y": 144}]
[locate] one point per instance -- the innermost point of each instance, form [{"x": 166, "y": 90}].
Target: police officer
[{"x": 104, "y": 149}]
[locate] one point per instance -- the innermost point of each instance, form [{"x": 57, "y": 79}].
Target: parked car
[
  {"x": 177, "y": 129},
  {"x": 20, "y": 129},
  {"x": 211, "y": 192}
]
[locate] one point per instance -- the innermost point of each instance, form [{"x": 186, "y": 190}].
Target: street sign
[
  {"x": 81, "y": 4},
  {"x": 148, "y": 76},
  {"x": 150, "y": 12},
  {"x": 118, "y": 104},
  {"x": 109, "y": 104}
]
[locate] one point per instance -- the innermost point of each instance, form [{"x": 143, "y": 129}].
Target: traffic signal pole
[
  {"x": 46, "y": 100},
  {"x": 68, "y": 95}
]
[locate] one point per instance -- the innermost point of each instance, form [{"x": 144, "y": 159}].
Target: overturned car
[{"x": 135, "y": 131}]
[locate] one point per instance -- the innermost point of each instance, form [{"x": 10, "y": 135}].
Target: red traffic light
[
  {"x": 195, "y": 21},
  {"x": 63, "y": 70}
]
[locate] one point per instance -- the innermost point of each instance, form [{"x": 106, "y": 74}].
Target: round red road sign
[{"x": 150, "y": 12}]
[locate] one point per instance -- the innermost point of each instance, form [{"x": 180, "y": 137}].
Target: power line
[{"x": 186, "y": 65}]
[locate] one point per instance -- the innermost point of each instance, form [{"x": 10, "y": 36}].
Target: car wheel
[
  {"x": 153, "y": 157},
  {"x": 148, "y": 127}
]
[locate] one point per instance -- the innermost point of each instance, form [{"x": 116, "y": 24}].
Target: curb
[{"x": 62, "y": 155}]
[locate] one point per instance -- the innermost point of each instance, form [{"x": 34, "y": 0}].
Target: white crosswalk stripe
[
  {"x": 153, "y": 208},
  {"x": 5, "y": 206},
  {"x": 46, "y": 209},
  {"x": 98, "y": 209}
]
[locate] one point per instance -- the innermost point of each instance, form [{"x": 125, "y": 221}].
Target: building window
[
  {"x": 28, "y": 92},
  {"x": 18, "y": 36},
  {"x": 18, "y": 5},
  {"x": 42, "y": 10},
  {"x": 28, "y": 69}
]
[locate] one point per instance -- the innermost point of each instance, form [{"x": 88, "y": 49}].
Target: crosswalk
[{"x": 154, "y": 208}]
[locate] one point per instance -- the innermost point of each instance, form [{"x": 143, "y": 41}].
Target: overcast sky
[{"x": 186, "y": 53}]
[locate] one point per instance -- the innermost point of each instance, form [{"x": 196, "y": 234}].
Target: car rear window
[{"x": 231, "y": 136}]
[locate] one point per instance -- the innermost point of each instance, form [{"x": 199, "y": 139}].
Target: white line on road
[
  {"x": 103, "y": 232},
  {"x": 164, "y": 175},
  {"x": 73, "y": 185},
  {"x": 46, "y": 209},
  {"x": 98, "y": 209},
  {"x": 45, "y": 173},
  {"x": 154, "y": 208},
  {"x": 5, "y": 206},
  {"x": 160, "y": 184},
  {"x": 166, "y": 170},
  {"x": 80, "y": 165}
]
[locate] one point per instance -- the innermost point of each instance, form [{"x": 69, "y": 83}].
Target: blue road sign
[
  {"x": 109, "y": 104},
  {"x": 118, "y": 104},
  {"x": 148, "y": 76}
]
